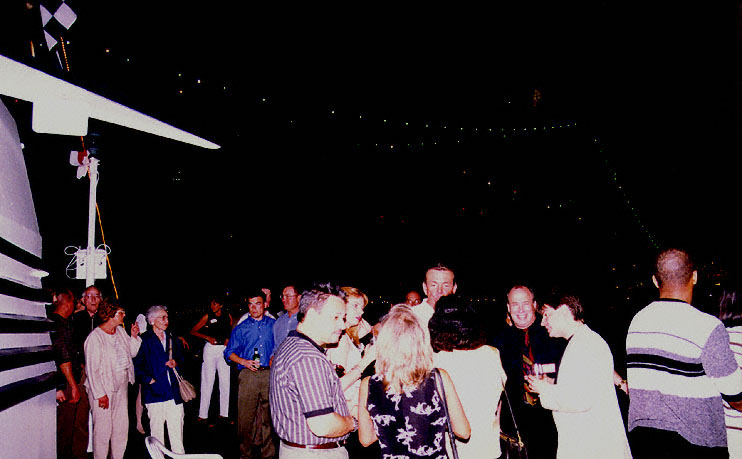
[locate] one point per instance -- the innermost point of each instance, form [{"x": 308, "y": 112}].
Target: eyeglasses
[
  {"x": 94, "y": 295},
  {"x": 289, "y": 296}
]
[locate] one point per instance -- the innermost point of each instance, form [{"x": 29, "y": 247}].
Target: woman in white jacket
[
  {"x": 583, "y": 398},
  {"x": 110, "y": 369}
]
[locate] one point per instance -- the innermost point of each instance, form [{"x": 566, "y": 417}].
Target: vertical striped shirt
[
  {"x": 680, "y": 367},
  {"x": 303, "y": 385}
]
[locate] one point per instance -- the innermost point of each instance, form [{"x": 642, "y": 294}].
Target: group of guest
[
  {"x": 556, "y": 374},
  {"x": 328, "y": 383},
  {"x": 99, "y": 360}
]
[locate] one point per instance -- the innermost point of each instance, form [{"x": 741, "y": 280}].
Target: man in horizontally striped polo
[
  {"x": 680, "y": 367},
  {"x": 308, "y": 406}
]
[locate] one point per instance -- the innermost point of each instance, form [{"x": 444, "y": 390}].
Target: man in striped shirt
[
  {"x": 308, "y": 406},
  {"x": 680, "y": 367}
]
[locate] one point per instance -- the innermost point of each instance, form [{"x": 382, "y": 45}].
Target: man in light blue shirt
[
  {"x": 287, "y": 320},
  {"x": 253, "y": 336}
]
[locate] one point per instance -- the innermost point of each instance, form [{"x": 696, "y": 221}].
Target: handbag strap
[
  {"x": 442, "y": 393},
  {"x": 512, "y": 416},
  {"x": 169, "y": 342}
]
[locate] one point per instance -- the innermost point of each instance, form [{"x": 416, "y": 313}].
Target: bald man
[{"x": 680, "y": 370}]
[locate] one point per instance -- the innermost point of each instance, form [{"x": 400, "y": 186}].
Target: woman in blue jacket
[{"x": 154, "y": 365}]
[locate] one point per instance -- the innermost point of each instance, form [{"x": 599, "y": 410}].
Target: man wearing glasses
[
  {"x": 287, "y": 321},
  {"x": 86, "y": 320}
]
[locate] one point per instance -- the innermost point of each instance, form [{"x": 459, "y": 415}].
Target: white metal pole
[{"x": 90, "y": 262}]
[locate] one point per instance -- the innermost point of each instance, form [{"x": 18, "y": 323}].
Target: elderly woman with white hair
[{"x": 155, "y": 364}]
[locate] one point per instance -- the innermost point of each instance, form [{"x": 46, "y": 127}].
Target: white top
[
  {"x": 423, "y": 312},
  {"x": 348, "y": 355},
  {"x": 478, "y": 377},
  {"x": 584, "y": 403}
]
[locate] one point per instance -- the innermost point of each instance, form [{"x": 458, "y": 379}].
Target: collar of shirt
[
  {"x": 305, "y": 337},
  {"x": 673, "y": 300}
]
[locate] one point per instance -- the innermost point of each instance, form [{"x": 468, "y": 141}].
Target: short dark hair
[
  {"x": 574, "y": 304},
  {"x": 316, "y": 296},
  {"x": 253, "y": 293},
  {"x": 456, "y": 325},
  {"x": 674, "y": 268},
  {"x": 218, "y": 298},
  {"x": 63, "y": 292}
]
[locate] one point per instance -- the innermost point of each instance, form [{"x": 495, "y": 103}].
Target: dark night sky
[{"x": 308, "y": 186}]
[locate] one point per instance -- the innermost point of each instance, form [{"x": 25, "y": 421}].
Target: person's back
[
  {"x": 675, "y": 373},
  {"x": 479, "y": 379},
  {"x": 411, "y": 423}
]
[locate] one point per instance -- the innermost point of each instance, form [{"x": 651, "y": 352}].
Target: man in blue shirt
[
  {"x": 286, "y": 322},
  {"x": 253, "y": 336}
]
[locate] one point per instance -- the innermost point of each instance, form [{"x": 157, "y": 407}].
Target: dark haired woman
[
  {"x": 458, "y": 337},
  {"x": 214, "y": 327},
  {"x": 582, "y": 399}
]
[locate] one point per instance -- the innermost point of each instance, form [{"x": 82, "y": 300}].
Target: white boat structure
[{"x": 27, "y": 369}]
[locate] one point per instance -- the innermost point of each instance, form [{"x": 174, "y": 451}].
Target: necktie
[{"x": 528, "y": 397}]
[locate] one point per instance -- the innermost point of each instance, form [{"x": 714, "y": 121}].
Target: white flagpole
[{"x": 90, "y": 262}]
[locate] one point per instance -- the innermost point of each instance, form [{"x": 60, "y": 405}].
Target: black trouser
[
  {"x": 536, "y": 426},
  {"x": 648, "y": 443}
]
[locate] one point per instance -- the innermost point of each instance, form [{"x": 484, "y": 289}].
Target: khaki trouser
[
  {"x": 111, "y": 425},
  {"x": 253, "y": 413}
]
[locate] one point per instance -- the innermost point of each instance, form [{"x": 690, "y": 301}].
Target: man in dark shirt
[
  {"x": 526, "y": 348},
  {"x": 86, "y": 320},
  {"x": 73, "y": 407}
]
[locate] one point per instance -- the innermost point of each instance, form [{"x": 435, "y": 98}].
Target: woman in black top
[{"x": 214, "y": 327}]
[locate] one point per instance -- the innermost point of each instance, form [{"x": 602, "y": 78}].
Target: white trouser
[
  {"x": 110, "y": 426},
  {"x": 172, "y": 413},
  {"x": 214, "y": 363}
]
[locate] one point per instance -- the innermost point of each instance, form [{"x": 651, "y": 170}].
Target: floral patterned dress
[{"x": 408, "y": 425}]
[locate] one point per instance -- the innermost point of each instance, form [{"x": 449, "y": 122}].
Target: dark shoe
[
  {"x": 226, "y": 421},
  {"x": 204, "y": 423}
]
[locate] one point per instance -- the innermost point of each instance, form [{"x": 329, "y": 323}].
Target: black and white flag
[{"x": 56, "y": 18}]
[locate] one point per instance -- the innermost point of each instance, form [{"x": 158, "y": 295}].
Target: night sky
[{"x": 362, "y": 145}]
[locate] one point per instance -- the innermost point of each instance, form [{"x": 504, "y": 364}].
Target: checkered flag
[{"x": 56, "y": 18}]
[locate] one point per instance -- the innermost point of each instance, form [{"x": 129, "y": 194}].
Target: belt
[
  {"x": 264, "y": 368},
  {"x": 335, "y": 444}
]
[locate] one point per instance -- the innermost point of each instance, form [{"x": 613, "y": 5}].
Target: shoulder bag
[
  {"x": 512, "y": 446},
  {"x": 442, "y": 395},
  {"x": 187, "y": 391}
]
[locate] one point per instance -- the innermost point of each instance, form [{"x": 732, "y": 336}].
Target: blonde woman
[
  {"x": 354, "y": 352},
  {"x": 399, "y": 405}
]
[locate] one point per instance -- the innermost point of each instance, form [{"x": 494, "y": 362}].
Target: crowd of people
[{"x": 428, "y": 378}]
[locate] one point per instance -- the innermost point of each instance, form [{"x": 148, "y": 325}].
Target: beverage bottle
[{"x": 256, "y": 355}]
